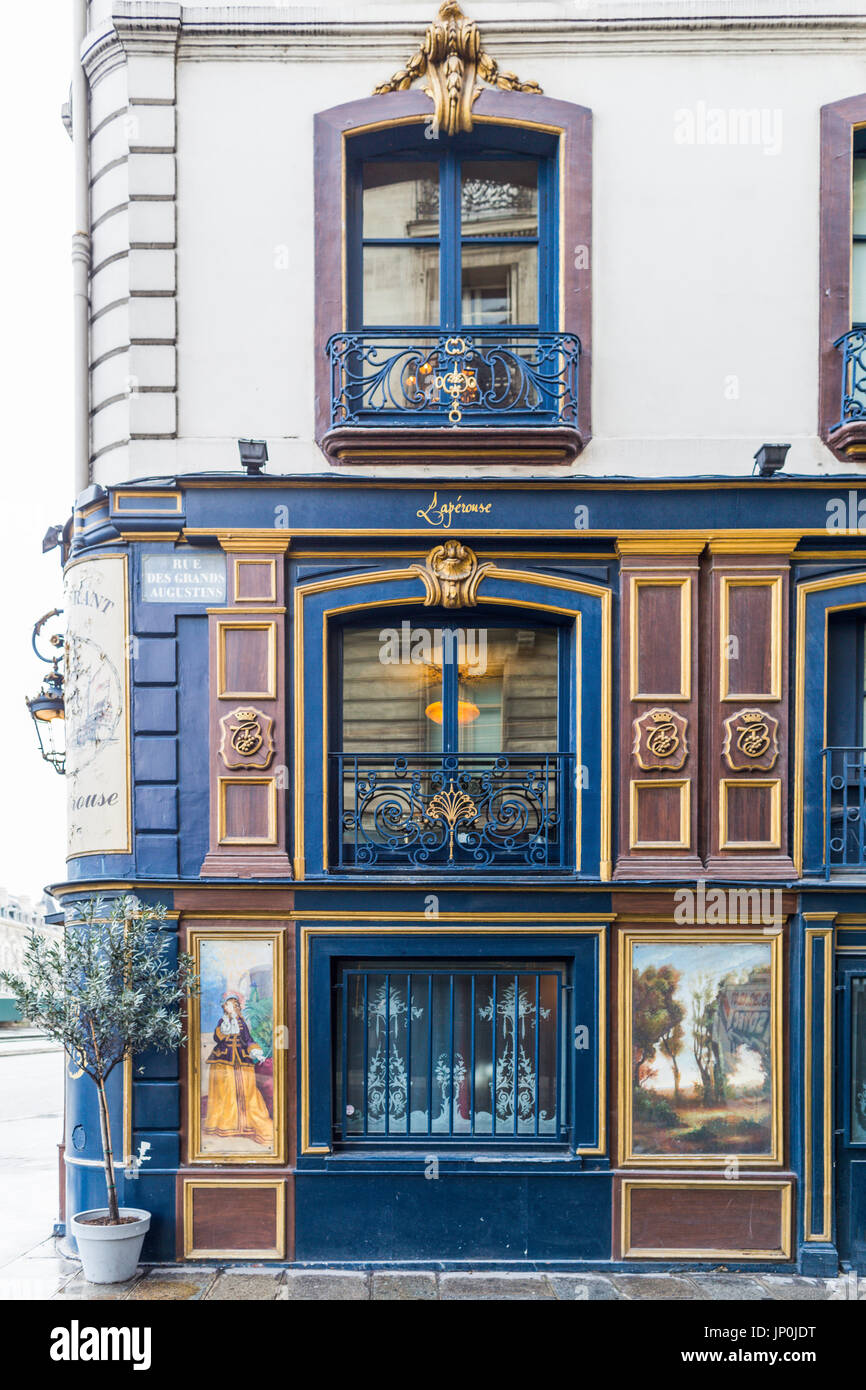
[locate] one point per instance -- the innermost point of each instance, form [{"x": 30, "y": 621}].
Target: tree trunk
[{"x": 108, "y": 1156}]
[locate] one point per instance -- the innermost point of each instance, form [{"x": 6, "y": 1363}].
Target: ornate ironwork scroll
[{"x": 452, "y": 810}]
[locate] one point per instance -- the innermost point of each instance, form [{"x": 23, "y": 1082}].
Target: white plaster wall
[{"x": 705, "y": 275}]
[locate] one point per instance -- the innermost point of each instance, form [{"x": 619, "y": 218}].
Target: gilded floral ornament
[
  {"x": 451, "y": 576},
  {"x": 451, "y": 58}
]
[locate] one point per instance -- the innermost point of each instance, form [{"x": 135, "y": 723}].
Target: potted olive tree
[{"x": 109, "y": 989}]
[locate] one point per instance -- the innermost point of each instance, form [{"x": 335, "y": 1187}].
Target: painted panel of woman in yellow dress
[{"x": 236, "y": 1108}]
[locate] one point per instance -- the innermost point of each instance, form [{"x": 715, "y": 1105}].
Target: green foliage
[
  {"x": 110, "y": 988},
  {"x": 654, "y": 1109},
  {"x": 259, "y": 1015}
]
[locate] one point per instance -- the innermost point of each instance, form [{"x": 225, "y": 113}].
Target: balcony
[
  {"x": 488, "y": 396},
  {"x": 845, "y": 802},
  {"x": 848, "y": 435},
  {"x": 453, "y": 812}
]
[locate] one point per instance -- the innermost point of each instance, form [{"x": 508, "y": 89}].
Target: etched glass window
[{"x": 451, "y": 1052}]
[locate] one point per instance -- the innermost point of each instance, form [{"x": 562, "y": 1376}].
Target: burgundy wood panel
[
  {"x": 659, "y": 610},
  {"x": 247, "y": 811},
  {"x": 735, "y": 1217},
  {"x": 658, "y": 813},
  {"x": 745, "y": 736},
  {"x": 254, "y": 580},
  {"x": 234, "y": 1218},
  {"x": 750, "y": 624},
  {"x": 651, "y": 627},
  {"x": 575, "y": 192},
  {"x": 750, "y": 813},
  {"x": 247, "y": 660},
  {"x": 248, "y": 734}
]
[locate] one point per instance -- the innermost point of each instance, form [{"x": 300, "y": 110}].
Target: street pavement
[
  {"x": 47, "y": 1274},
  {"x": 31, "y": 1127}
]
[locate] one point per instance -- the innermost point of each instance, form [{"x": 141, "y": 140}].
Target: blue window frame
[
  {"x": 451, "y": 1052},
  {"x": 451, "y": 745},
  {"x": 455, "y": 234}
]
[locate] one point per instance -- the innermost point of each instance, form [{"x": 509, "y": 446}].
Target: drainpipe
[{"x": 81, "y": 253}]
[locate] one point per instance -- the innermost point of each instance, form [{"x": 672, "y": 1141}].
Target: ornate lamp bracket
[{"x": 451, "y": 58}]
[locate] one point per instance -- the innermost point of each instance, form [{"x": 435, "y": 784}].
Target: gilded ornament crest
[
  {"x": 247, "y": 739},
  {"x": 751, "y": 742},
  {"x": 660, "y": 739},
  {"x": 452, "y": 807},
  {"x": 451, "y": 576},
  {"x": 451, "y": 58}
]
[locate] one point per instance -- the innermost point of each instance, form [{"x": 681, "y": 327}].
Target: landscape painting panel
[
  {"x": 702, "y": 1056},
  {"x": 236, "y": 1048}
]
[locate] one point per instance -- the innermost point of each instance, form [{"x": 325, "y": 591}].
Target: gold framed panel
[
  {"x": 195, "y": 1153},
  {"x": 238, "y": 563},
  {"x": 663, "y": 580},
  {"x": 666, "y": 1252},
  {"x": 752, "y": 581},
  {"x": 412, "y": 926},
  {"x": 774, "y": 785},
  {"x": 684, "y": 786},
  {"x": 223, "y": 783},
  {"x": 275, "y": 1252},
  {"x": 270, "y": 692},
  {"x": 122, "y": 495},
  {"x": 650, "y": 936}
]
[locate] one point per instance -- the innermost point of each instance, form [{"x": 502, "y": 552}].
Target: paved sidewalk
[{"x": 46, "y": 1274}]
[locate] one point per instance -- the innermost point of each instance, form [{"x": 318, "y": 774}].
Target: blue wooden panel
[
  {"x": 154, "y": 710},
  {"x": 155, "y": 808},
  {"x": 452, "y": 1217},
  {"x": 156, "y": 759},
  {"x": 154, "y": 661}
]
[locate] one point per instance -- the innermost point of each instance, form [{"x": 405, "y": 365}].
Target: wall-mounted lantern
[{"x": 47, "y": 709}]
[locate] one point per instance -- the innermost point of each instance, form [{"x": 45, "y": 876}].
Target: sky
[{"x": 36, "y": 478}]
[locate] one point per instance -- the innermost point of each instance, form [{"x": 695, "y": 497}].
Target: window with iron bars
[{"x": 451, "y": 1053}]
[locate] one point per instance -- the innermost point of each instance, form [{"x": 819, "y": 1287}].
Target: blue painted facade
[{"x": 514, "y": 1204}]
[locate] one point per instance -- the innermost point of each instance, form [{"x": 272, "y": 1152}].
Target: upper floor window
[{"x": 464, "y": 241}]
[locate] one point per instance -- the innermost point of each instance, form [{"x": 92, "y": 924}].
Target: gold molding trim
[
  {"x": 249, "y": 539},
  {"x": 451, "y": 58},
  {"x": 121, "y": 494},
  {"x": 223, "y": 693},
  {"x": 670, "y": 1253},
  {"x": 774, "y": 784},
  {"x": 628, "y": 938},
  {"x": 683, "y": 582},
  {"x": 275, "y": 1252},
  {"x": 752, "y": 581},
  {"x": 684, "y": 786},
  {"x": 223, "y": 783},
  {"x": 245, "y": 558},
  {"x": 824, "y": 934},
  {"x": 195, "y": 938}
]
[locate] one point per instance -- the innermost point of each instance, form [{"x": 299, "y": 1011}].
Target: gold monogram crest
[
  {"x": 660, "y": 739},
  {"x": 751, "y": 742},
  {"x": 451, "y": 58},
  {"x": 247, "y": 740}
]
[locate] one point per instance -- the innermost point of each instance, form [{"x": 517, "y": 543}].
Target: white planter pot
[{"x": 110, "y": 1254}]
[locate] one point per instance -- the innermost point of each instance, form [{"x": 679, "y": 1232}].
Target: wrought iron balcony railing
[
  {"x": 845, "y": 809},
  {"x": 453, "y": 811},
  {"x": 485, "y": 377},
  {"x": 853, "y": 348}
]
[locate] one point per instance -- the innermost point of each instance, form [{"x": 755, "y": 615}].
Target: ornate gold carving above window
[
  {"x": 451, "y": 57},
  {"x": 451, "y": 576}
]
